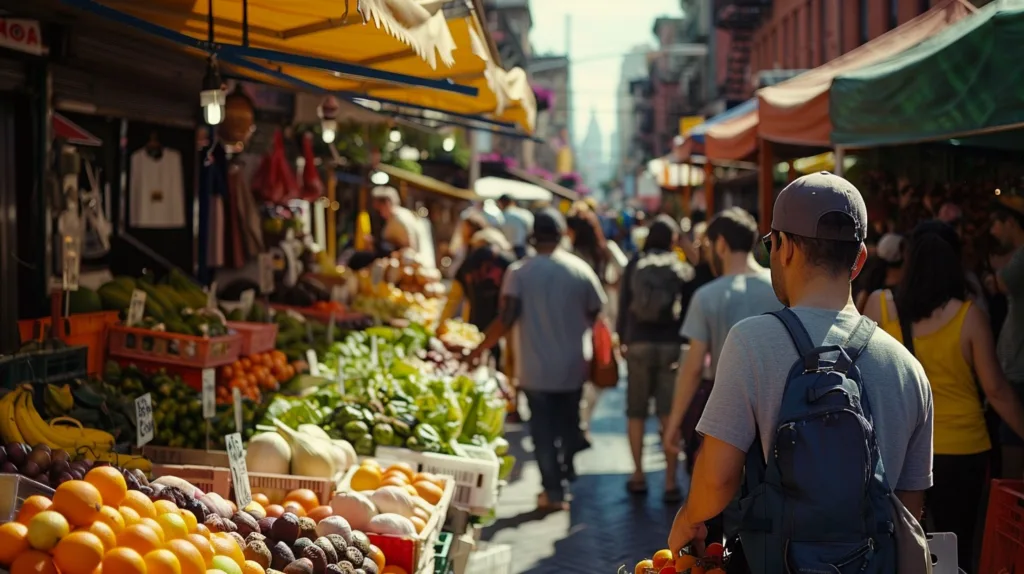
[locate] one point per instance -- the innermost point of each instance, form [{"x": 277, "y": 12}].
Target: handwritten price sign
[
  {"x": 239, "y": 472},
  {"x": 144, "y": 419}
]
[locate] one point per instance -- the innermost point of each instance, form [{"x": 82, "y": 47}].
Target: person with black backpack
[
  {"x": 822, "y": 418},
  {"x": 656, "y": 289}
]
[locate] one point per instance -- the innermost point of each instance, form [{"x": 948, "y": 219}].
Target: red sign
[{"x": 21, "y": 35}]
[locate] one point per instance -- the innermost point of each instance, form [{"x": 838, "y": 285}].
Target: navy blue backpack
[{"x": 821, "y": 503}]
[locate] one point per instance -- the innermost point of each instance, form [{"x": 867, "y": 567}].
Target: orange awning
[
  {"x": 733, "y": 139},
  {"x": 796, "y": 111}
]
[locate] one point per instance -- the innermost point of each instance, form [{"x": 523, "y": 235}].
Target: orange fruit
[
  {"x": 396, "y": 475},
  {"x": 261, "y": 498},
  {"x": 189, "y": 558},
  {"x": 377, "y": 555},
  {"x": 642, "y": 567},
  {"x": 203, "y": 546},
  {"x": 661, "y": 558},
  {"x": 252, "y": 567},
  {"x": 320, "y": 512},
  {"x": 403, "y": 468},
  {"x": 78, "y": 553},
  {"x": 173, "y": 525},
  {"x": 274, "y": 510},
  {"x": 140, "y": 503},
  {"x": 428, "y": 491},
  {"x": 426, "y": 476},
  {"x": 392, "y": 569},
  {"x": 13, "y": 541},
  {"x": 79, "y": 502},
  {"x": 129, "y": 515},
  {"x": 370, "y": 462},
  {"x": 164, "y": 506},
  {"x": 394, "y": 480},
  {"x": 112, "y": 518},
  {"x": 110, "y": 482},
  {"x": 123, "y": 560},
  {"x": 685, "y": 562},
  {"x": 140, "y": 538},
  {"x": 365, "y": 478},
  {"x": 224, "y": 545},
  {"x": 304, "y": 496},
  {"x": 32, "y": 506},
  {"x": 46, "y": 529},
  {"x": 104, "y": 532},
  {"x": 161, "y": 562},
  {"x": 33, "y": 562},
  {"x": 203, "y": 531},
  {"x": 419, "y": 523},
  {"x": 156, "y": 527},
  {"x": 295, "y": 508},
  {"x": 190, "y": 520}
]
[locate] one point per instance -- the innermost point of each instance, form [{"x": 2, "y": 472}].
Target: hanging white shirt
[{"x": 157, "y": 190}]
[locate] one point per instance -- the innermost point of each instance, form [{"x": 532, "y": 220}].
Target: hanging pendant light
[
  {"x": 212, "y": 98},
  {"x": 328, "y": 111}
]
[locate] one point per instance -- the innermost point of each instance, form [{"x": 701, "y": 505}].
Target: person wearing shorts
[{"x": 651, "y": 348}]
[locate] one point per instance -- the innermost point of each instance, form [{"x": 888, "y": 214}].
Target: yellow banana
[
  {"x": 8, "y": 426},
  {"x": 23, "y": 411},
  {"x": 79, "y": 435},
  {"x": 65, "y": 437}
]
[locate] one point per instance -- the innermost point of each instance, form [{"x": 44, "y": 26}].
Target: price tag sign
[
  {"x": 239, "y": 472},
  {"x": 266, "y": 264},
  {"x": 136, "y": 307},
  {"x": 374, "y": 355},
  {"x": 144, "y": 420},
  {"x": 247, "y": 299},
  {"x": 330, "y": 329},
  {"x": 209, "y": 393},
  {"x": 211, "y": 296},
  {"x": 72, "y": 266},
  {"x": 338, "y": 294},
  {"x": 236, "y": 399},
  {"x": 314, "y": 365}
]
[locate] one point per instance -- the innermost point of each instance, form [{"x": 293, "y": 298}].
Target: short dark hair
[
  {"x": 505, "y": 198},
  {"x": 833, "y": 256},
  {"x": 934, "y": 274},
  {"x": 737, "y": 227},
  {"x": 661, "y": 234},
  {"x": 1004, "y": 213}
]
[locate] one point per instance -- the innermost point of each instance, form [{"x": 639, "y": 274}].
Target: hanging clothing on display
[
  {"x": 245, "y": 214},
  {"x": 156, "y": 187},
  {"x": 214, "y": 193}
]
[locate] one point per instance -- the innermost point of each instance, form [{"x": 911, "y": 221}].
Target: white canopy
[{"x": 495, "y": 187}]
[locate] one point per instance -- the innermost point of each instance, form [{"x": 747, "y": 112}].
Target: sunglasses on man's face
[{"x": 763, "y": 256}]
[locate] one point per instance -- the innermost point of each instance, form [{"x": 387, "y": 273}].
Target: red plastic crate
[
  {"x": 1002, "y": 549},
  {"x": 84, "y": 329},
  {"x": 256, "y": 337},
  {"x": 173, "y": 348}
]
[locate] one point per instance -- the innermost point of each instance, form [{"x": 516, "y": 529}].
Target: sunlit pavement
[{"x": 606, "y": 527}]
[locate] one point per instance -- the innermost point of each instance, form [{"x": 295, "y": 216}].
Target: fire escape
[{"x": 740, "y": 18}]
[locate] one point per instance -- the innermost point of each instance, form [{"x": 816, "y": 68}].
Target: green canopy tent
[{"x": 964, "y": 84}]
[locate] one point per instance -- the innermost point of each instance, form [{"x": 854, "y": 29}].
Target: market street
[{"x": 606, "y": 527}]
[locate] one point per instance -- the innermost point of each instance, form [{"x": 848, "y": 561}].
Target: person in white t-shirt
[
  {"x": 401, "y": 229},
  {"x": 518, "y": 224}
]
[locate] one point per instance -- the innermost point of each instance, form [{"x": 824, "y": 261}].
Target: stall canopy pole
[{"x": 765, "y": 184}]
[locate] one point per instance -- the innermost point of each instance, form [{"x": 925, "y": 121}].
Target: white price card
[
  {"x": 211, "y": 296},
  {"x": 266, "y": 264},
  {"x": 236, "y": 401},
  {"x": 314, "y": 365},
  {"x": 209, "y": 393},
  {"x": 338, "y": 294},
  {"x": 136, "y": 308},
  {"x": 247, "y": 299},
  {"x": 144, "y": 426},
  {"x": 239, "y": 472},
  {"x": 72, "y": 266}
]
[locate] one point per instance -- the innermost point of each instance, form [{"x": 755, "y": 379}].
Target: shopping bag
[
  {"x": 312, "y": 187},
  {"x": 604, "y": 366},
  {"x": 274, "y": 180}
]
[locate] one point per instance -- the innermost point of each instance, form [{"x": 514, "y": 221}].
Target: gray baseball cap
[{"x": 801, "y": 205}]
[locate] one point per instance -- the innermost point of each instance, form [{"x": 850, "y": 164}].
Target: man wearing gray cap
[{"x": 816, "y": 247}]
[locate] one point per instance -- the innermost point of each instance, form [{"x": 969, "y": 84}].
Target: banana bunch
[
  {"x": 21, "y": 422},
  {"x": 58, "y": 399}
]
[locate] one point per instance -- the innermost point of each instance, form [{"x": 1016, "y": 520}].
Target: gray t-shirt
[
  {"x": 722, "y": 303},
  {"x": 1010, "y": 346},
  {"x": 560, "y": 296},
  {"x": 750, "y": 381}
]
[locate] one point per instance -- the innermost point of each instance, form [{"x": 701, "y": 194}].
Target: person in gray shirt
[
  {"x": 816, "y": 244},
  {"x": 552, "y": 300}
]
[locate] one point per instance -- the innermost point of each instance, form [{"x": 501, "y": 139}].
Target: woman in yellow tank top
[{"x": 953, "y": 342}]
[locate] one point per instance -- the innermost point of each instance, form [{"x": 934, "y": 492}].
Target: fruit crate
[
  {"x": 411, "y": 553},
  {"x": 284, "y": 483},
  {"x": 52, "y": 366},
  {"x": 442, "y": 549},
  {"x": 173, "y": 348},
  {"x": 185, "y": 456},
  {"x": 83, "y": 329},
  {"x": 475, "y": 471},
  {"x": 1002, "y": 548},
  {"x": 15, "y": 489},
  {"x": 490, "y": 559},
  {"x": 205, "y": 478},
  {"x": 256, "y": 337}
]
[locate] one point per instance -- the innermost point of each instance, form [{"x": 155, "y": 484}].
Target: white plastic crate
[
  {"x": 475, "y": 471},
  {"x": 490, "y": 559}
]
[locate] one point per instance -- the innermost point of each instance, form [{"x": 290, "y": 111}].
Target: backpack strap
[
  {"x": 858, "y": 340},
  {"x": 798, "y": 334}
]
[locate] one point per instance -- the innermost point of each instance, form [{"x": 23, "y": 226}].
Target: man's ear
[{"x": 858, "y": 265}]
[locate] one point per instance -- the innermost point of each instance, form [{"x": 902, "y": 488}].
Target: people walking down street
[
  {"x": 931, "y": 314},
  {"x": 1007, "y": 226},
  {"x": 517, "y": 226},
  {"x": 831, "y": 398},
  {"x": 549, "y": 302},
  {"x": 656, "y": 289}
]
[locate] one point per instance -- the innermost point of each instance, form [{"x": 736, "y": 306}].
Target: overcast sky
[{"x": 601, "y": 32}]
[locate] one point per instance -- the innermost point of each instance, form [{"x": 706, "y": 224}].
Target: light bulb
[
  {"x": 330, "y": 129},
  {"x": 379, "y": 178},
  {"x": 212, "y": 101},
  {"x": 213, "y": 114},
  {"x": 395, "y": 136},
  {"x": 448, "y": 144},
  {"x": 328, "y": 135}
]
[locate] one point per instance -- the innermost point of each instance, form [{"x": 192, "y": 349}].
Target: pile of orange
[
  {"x": 254, "y": 374},
  {"x": 370, "y": 476},
  {"x": 664, "y": 563},
  {"x": 97, "y": 525}
]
